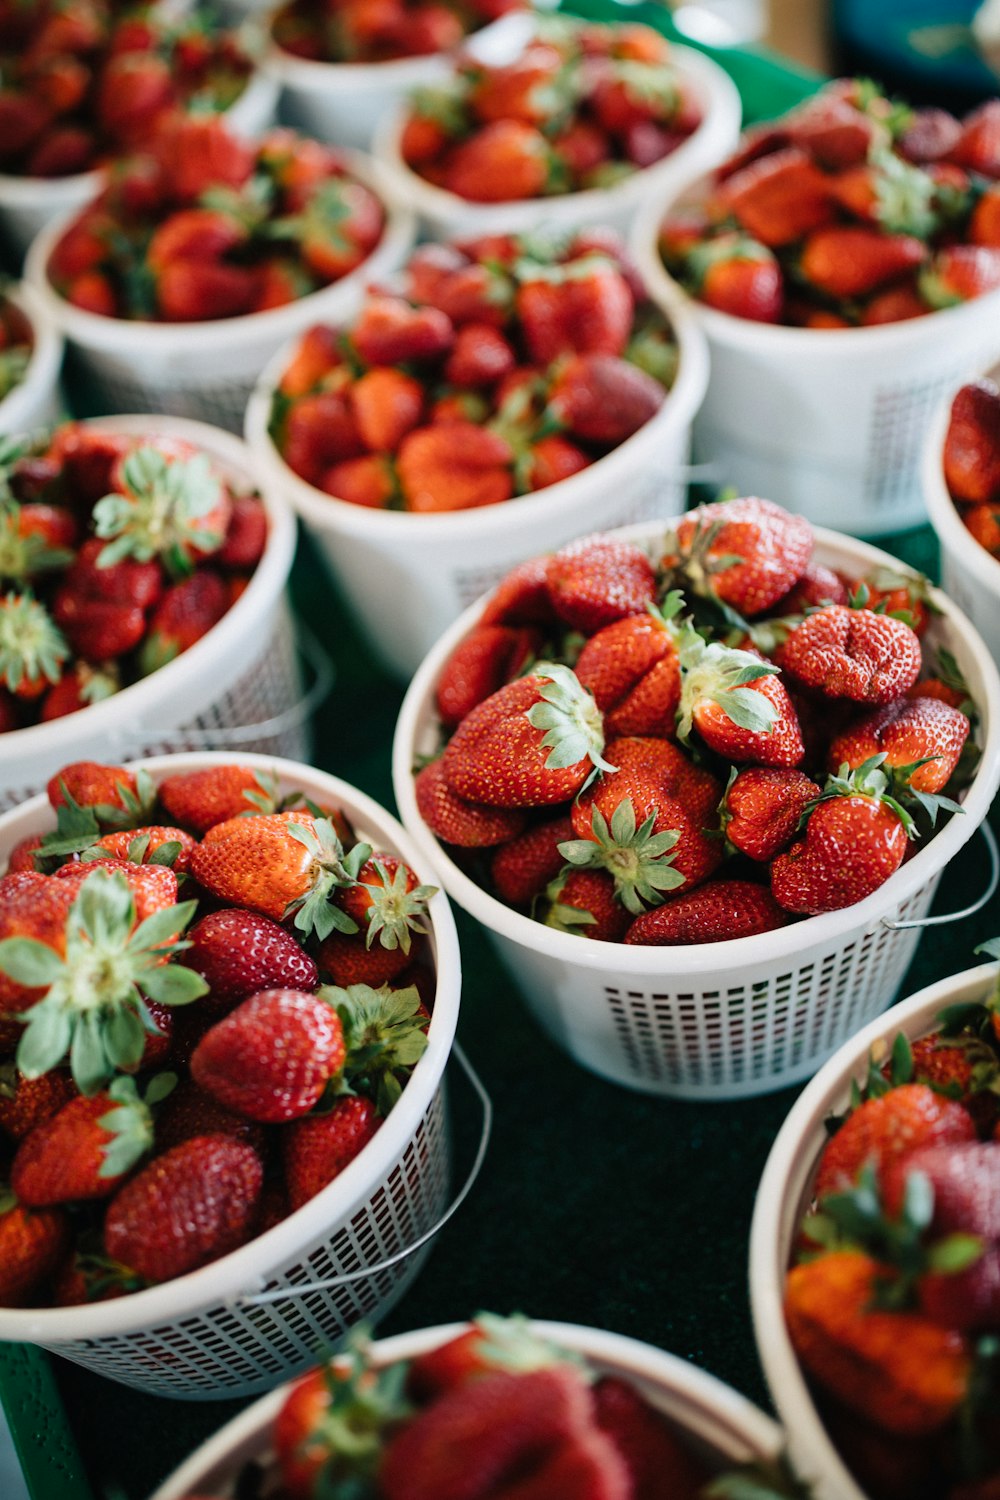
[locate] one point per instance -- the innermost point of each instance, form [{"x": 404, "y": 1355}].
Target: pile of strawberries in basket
[
  {"x": 496, "y": 1412},
  {"x": 582, "y": 106},
  {"x": 851, "y": 210},
  {"x": 203, "y": 224},
  {"x": 181, "y": 1075},
  {"x": 117, "y": 553},
  {"x": 366, "y": 31},
  {"x": 502, "y": 364},
  {"x": 971, "y": 460},
  {"x": 84, "y": 81},
  {"x": 894, "y": 1305},
  {"x": 698, "y": 743},
  {"x": 16, "y": 342}
]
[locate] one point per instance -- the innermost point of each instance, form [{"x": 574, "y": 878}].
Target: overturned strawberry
[{"x": 852, "y": 653}]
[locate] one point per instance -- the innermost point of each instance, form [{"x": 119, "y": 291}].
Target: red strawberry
[
  {"x": 714, "y": 913},
  {"x": 960, "y": 272},
  {"x": 320, "y": 430},
  {"x": 317, "y": 353},
  {"x": 895, "y": 305},
  {"x": 887, "y": 1129},
  {"x": 506, "y": 160},
  {"x": 773, "y": 546},
  {"x": 27, "y": 1102},
  {"x": 272, "y": 1056},
  {"x": 134, "y": 88},
  {"x": 524, "y": 866},
  {"x": 201, "y": 799},
  {"x": 978, "y": 145},
  {"x": 387, "y": 405},
  {"x": 737, "y": 704},
  {"x": 198, "y": 153},
  {"x": 632, "y": 668},
  {"x": 92, "y": 785},
  {"x": 522, "y": 597},
  {"x": 972, "y": 443},
  {"x": 489, "y": 1344},
  {"x": 778, "y": 198},
  {"x": 833, "y": 131},
  {"x": 318, "y": 1148},
  {"x": 340, "y": 223},
  {"x": 526, "y": 89},
  {"x": 658, "y": 1463},
  {"x": 85, "y": 1150},
  {"x": 199, "y": 234},
  {"x": 552, "y": 459},
  {"x": 31, "y": 906},
  {"x": 599, "y": 398},
  {"x": 239, "y": 953},
  {"x": 32, "y": 1244},
  {"x": 469, "y": 825},
  {"x": 189, "y": 1111},
  {"x": 487, "y": 658},
  {"x": 589, "y": 310},
  {"x": 189, "y": 291},
  {"x": 852, "y": 653},
  {"x": 738, "y": 276},
  {"x": 187, "y": 611},
  {"x": 140, "y": 844},
  {"x": 906, "y": 731},
  {"x": 80, "y": 687},
  {"x": 246, "y": 536},
  {"x": 930, "y": 135},
  {"x": 818, "y": 585},
  {"x": 153, "y": 887},
  {"x": 584, "y": 902},
  {"x": 984, "y": 226},
  {"x": 480, "y": 356},
  {"x": 848, "y": 260},
  {"x": 369, "y": 481},
  {"x": 390, "y": 331},
  {"x": 762, "y": 808},
  {"x": 599, "y": 579},
  {"x": 456, "y": 466},
  {"x": 98, "y": 629},
  {"x": 186, "y": 1208},
  {"x": 532, "y": 743},
  {"x": 32, "y": 649},
  {"x": 982, "y": 523}
]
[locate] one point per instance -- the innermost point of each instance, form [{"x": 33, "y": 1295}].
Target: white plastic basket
[
  {"x": 230, "y": 1329},
  {"x": 730, "y": 1019},
  {"x": 409, "y": 575},
  {"x": 723, "y": 1427},
  {"x": 447, "y": 215},
  {"x": 238, "y": 686},
  {"x": 34, "y": 402},
  {"x": 828, "y": 422},
  {"x": 783, "y": 1197},
  {"x": 206, "y": 369},
  {"x": 970, "y": 574},
  {"x": 27, "y": 204}
]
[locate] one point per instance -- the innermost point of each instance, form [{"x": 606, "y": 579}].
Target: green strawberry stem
[
  {"x": 31, "y": 644},
  {"x": 130, "y": 1122},
  {"x": 639, "y": 859},
  {"x": 160, "y": 515},
  {"x": 332, "y": 870},
  {"x": 385, "y": 1036},
  {"x": 772, "y": 1479},
  {"x": 719, "y": 674},
  {"x": 866, "y": 780},
  {"x": 22, "y": 557},
  {"x": 396, "y": 913},
  {"x": 573, "y": 723}
]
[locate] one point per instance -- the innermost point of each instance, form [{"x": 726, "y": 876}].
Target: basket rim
[
  {"x": 709, "y": 1399},
  {"x": 43, "y": 365},
  {"x": 786, "y": 1172},
  {"x": 330, "y": 513},
  {"x": 311, "y": 74},
  {"x": 246, "y": 1269},
  {"x": 135, "y": 337},
  {"x": 712, "y": 137},
  {"x": 703, "y": 959},
  {"x": 264, "y": 589},
  {"x": 952, "y": 533}
]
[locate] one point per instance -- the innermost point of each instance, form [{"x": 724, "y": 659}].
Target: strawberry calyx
[
  {"x": 22, "y": 556},
  {"x": 900, "y": 781},
  {"x": 904, "y": 195},
  {"x": 394, "y": 912},
  {"x": 94, "y": 1008},
  {"x": 365, "y": 1405},
  {"x": 558, "y": 914},
  {"x": 31, "y": 644},
  {"x": 950, "y": 674},
  {"x": 654, "y": 351},
  {"x": 12, "y": 450},
  {"x": 101, "y": 1274},
  {"x": 509, "y": 1344},
  {"x": 917, "y": 587},
  {"x": 867, "y": 780},
  {"x": 444, "y": 106},
  {"x": 164, "y": 854},
  {"x": 385, "y": 1036},
  {"x": 639, "y": 860},
  {"x": 321, "y": 220},
  {"x": 78, "y": 828},
  {"x": 719, "y": 674},
  {"x": 13, "y": 367},
  {"x": 269, "y": 799},
  {"x": 162, "y": 513},
  {"x": 573, "y": 723},
  {"x": 331, "y": 869},
  {"x": 130, "y": 1122},
  {"x": 701, "y": 259}
]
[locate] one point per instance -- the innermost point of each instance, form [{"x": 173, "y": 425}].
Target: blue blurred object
[{"x": 923, "y": 50}]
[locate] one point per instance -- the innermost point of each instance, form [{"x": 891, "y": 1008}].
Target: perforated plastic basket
[
  {"x": 722, "y": 1425},
  {"x": 34, "y": 402},
  {"x": 969, "y": 573},
  {"x": 784, "y": 1195},
  {"x": 206, "y": 369},
  {"x": 445, "y": 214},
  {"x": 408, "y": 576},
  {"x": 831, "y": 422},
  {"x": 239, "y": 685},
  {"x": 230, "y": 1329},
  {"x": 718, "y": 1020}
]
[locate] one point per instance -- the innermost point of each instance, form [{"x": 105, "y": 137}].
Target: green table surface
[{"x": 595, "y": 1205}]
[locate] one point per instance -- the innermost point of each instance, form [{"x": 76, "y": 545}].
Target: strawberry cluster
[
  {"x": 971, "y": 460},
  {"x": 16, "y": 343},
  {"x": 495, "y": 1413},
  {"x": 372, "y": 31},
  {"x": 287, "y": 995},
  {"x": 500, "y": 366},
  {"x": 583, "y": 106},
  {"x": 203, "y": 224},
  {"x": 84, "y": 81},
  {"x": 696, "y": 743},
  {"x": 851, "y": 211},
  {"x": 894, "y": 1304},
  {"x": 116, "y": 554}
]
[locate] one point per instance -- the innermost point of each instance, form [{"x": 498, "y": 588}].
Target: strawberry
[
  {"x": 87, "y": 1148},
  {"x": 762, "y": 808},
  {"x": 199, "y": 154},
  {"x": 340, "y": 224},
  {"x": 738, "y": 276},
  {"x": 388, "y": 903},
  {"x": 632, "y": 667},
  {"x": 201, "y": 799},
  {"x": 657, "y": 1461},
  {"x": 90, "y": 784},
  {"x": 896, "y": 1369},
  {"x": 389, "y": 331},
  {"x": 141, "y": 845},
  {"x": 599, "y": 398},
  {"x": 272, "y": 1056},
  {"x": 188, "y": 1207},
  {"x": 960, "y": 272},
  {"x": 526, "y": 89},
  {"x": 777, "y": 199},
  {"x": 984, "y": 226},
  {"x": 32, "y": 648},
  {"x": 583, "y": 147},
  {"x": 238, "y": 953},
  {"x": 187, "y": 611},
  {"x": 746, "y": 552},
  {"x": 585, "y": 308},
  {"x": 318, "y": 1148},
  {"x": 551, "y": 459},
  {"x": 27, "y": 1102},
  {"x": 134, "y": 89},
  {"x": 597, "y": 580},
  {"x": 737, "y": 703},
  {"x": 369, "y": 481},
  {"x": 98, "y": 629},
  {"x": 972, "y": 443},
  {"x": 488, "y": 1344},
  {"x": 887, "y": 1129},
  {"x": 81, "y": 686},
  {"x": 189, "y": 1111},
  {"x": 316, "y": 354},
  {"x": 506, "y": 160},
  {"x": 246, "y": 535},
  {"x": 852, "y": 653},
  {"x": 32, "y": 1244},
  {"x": 200, "y": 234},
  {"x": 847, "y": 260},
  {"x": 479, "y": 357},
  {"x": 454, "y": 467},
  {"x": 834, "y": 132},
  {"x": 982, "y": 523},
  {"x": 930, "y": 135},
  {"x": 908, "y": 731},
  {"x": 978, "y": 145},
  {"x": 386, "y": 405},
  {"x": 715, "y": 913},
  {"x": 523, "y": 866},
  {"x": 522, "y": 597},
  {"x": 584, "y": 903},
  {"x": 895, "y": 305},
  {"x": 455, "y": 820},
  {"x": 318, "y": 431},
  {"x": 487, "y": 658}
]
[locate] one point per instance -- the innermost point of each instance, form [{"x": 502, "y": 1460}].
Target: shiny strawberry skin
[
  {"x": 389, "y": 331},
  {"x": 599, "y": 398},
  {"x": 887, "y": 1129},
  {"x": 32, "y": 1243},
  {"x": 256, "y": 863},
  {"x": 188, "y": 1111},
  {"x": 851, "y": 260},
  {"x": 782, "y": 746},
  {"x": 484, "y": 661},
  {"x": 119, "y": 843},
  {"x": 346, "y": 959},
  {"x": 597, "y": 580},
  {"x": 632, "y": 668},
  {"x": 658, "y": 1463},
  {"x": 763, "y": 807},
  {"x": 153, "y": 887},
  {"x": 851, "y": 846},
  {"x": 200, "y": 799},
  {"x": 60, "y": 1160},
  {"x": 591, "y": 315},
  {"x": 592, "y": 891},
  {"x": 27, "y": 1102},
  {"x": 905, "y": 731},
  {"x": 318, "y": 1148},
  {"x": 523, "y": 867},
  {"x": 187, "y": 611},
  {"x": 716, "y": 912},
  {"x": 852, "y": 653},
  {"x": 90, "y": 784},
  {"x": 522, "y": 597},
  {"x": 455, "y": 820},
  {"x": 775, "y": 547},
  {"x": 239, "y": 953},
  {"x": 31, "y": 906},
  {"x": 972, "y": 443},
  {"x": 778, "y": 198}
]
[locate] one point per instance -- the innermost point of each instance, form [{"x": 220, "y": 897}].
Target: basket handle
[
  {"x": 281, "y": 1293},
  {"x": 967, "y": 911},
  {"x": 322, "y": 670}
]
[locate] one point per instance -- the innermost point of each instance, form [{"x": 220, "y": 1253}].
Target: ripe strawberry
[
  {"x": 747, "y": 552},
  {"x": 318, "y": 1148},
  {"x": 714, "y": 913},
  {"x": 27, "y": 1102},
  {"x": 320, "y": 430},
  {"x": 32, "y": 1244},
  {"x": 317, "y": 353},
  {"x": 201, "y": 799},
  {"x": 272, "y": 1056},
  {"x": 190, "y": 291},
  {"x": 895, "y": 305},
  {"x": 848, "y": 260},
  {"x": 984, "y": 226},
  {"x": 139, "y": 845},
  {"x": 134, "y": 89},
  {"x": 455, "y": 820},
  {"x": 982, "y": 523},
  {"x": 187, "y": 611},
  {"x": 978, "y": 145},
  {"x": 907, "y": 730},
  {"x": 833, "y": 131},
  {"x": 852, "y": 653},
  {"x": 370, "y": 481},
  {"x": 549, "y": 460},
  {"x": 898, "y": 1370},
  {"x": 762, "y": 808},
  {"x": 488, "y": 1344},
  {"x": 33, "y": 906},
  {"x": 777, "y": 199},
  {"x": 738, "y": 276},
  {"x": 597, "y": 580},
  {"x": 524, "y": 866},
  {"x": 457, "y": 466},
  {"x": 599, "y": 398},
  {"x": 153, "y": 888},
  {"x": 82, "y": 685},
  {"x": 198, "y": 153},
  {"x": 584, "y": 902},
  {"x": 972, "y": 443},
  {"x": 189, "y": 1111},
  {"x": 526, "y": 89},
  {"x": 587, "y": 308},
  {"x": 506, "y": 160},
  {"x": 480, "y": 356},
  {"x": 887, "y": 1129},
  {"x": 487, "y": 658},
  {"x": 737, "y": 704},
  {"x": 98, "y": 629},
  {"x": 930, "y": 135},
  {"x": 521, "y": 597},
  {"x": 389, "y": 331},
  {"x": 658, "y": 1463},
  {"x": 32, "y": 649},
  {"x": 246, "y": 535},
  {"x": 200, "y": 234},
  {"x": 186, "y": 1208},
  {"x": 387, "y": 405},
  {"x": 239, "y": 953},
  {"x": 90, "y": 784},
  {"x": 341, "y": 222},
  {"x": 960, "y": 272},
  {"x": 632, "y": 668},
  {"x": 86, "y": 1149}
]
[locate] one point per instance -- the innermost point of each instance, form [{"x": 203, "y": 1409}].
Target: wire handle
[
  {"x": 222, "y": 737},
  {"x": 281, "y": 1293},
  {"x": 967, "y": 911}
]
